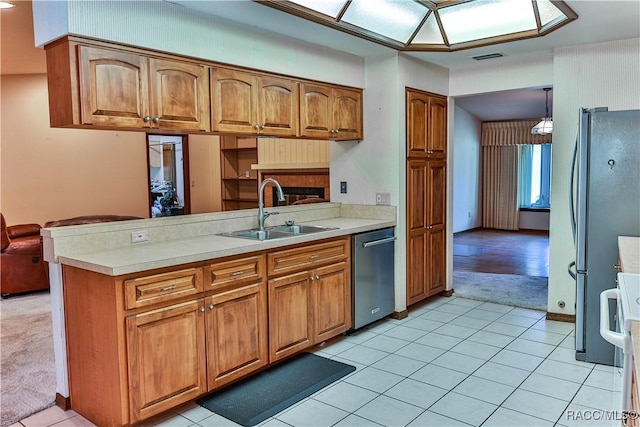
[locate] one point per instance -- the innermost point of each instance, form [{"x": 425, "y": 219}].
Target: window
[{"x": 535, "y": 176}]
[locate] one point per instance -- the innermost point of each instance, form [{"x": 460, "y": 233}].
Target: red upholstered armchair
[{"x": 22, "y": 268}]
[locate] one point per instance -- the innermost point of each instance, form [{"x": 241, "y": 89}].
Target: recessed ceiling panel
[
  {"x": 429, "y": 33},
  {"x": 483, "y": 19},
  {"x": 548, "y": 12},
  {"x": 394, "y": 19},
  {"x": 328, "y": 7}
]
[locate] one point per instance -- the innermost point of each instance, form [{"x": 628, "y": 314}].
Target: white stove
[
  {"x": 627, "y": 296},
  {"x": 629, "y": 285}
]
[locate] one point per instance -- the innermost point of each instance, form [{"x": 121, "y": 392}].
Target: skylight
[{"x": 436, "y": 25}]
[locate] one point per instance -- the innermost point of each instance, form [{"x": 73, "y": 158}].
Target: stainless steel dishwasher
[{"x": 372, "y": 275}]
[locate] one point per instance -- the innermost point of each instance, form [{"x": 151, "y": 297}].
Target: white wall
[
  {"x": 168, "y": 27},
  {"x": 529, "y": 220},
  {"x": 596, "y": 75},
  {"x": 467, "y": 188}
]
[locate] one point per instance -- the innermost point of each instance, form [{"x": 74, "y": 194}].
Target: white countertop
[{"x": 148, "y": 255}]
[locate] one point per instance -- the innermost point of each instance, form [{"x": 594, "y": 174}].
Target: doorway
[{"x": 168, "y": 166}]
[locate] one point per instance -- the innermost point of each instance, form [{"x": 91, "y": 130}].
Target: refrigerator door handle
[
  {"x": 572, "y": 173},
  {"x": 571, "y": 270},
  {"x": 615, "y": 338}
]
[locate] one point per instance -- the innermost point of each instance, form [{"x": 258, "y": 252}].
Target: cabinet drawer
[
  {"x": 234, "y": 272},
  {"x": 302, "y": 258},
  {"x": 148, "y": 290}
]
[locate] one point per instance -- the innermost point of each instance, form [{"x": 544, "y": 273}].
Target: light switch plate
[
  {"x": 343, "y": 187},
  {"x": 383, "y": 199}
]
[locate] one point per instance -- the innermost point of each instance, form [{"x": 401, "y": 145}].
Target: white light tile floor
[{"x": 452, "y": 362}]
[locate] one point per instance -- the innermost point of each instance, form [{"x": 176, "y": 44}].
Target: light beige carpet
[
  {"x": 27, "y": 370},
  {"x": 510, "y": 289}
]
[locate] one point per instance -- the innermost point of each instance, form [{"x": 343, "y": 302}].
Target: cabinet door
[
  {"x": 233, "y": 101},
  {"x": 437, "y": 127},
  {"x": 417, "y": 110},
  {"x": 417, "y": 268},
  {"x": 114, "y": 88},
  {"x": 236, "y": 325},
  {"x": 426, "y": 217},
  {"x": 166, "y": 358},
  {"x": 331, "y": 296},
  {"x": 426, "y": 125},
  {"x": 436, "y": 218},
  {"x": 277, "y": 106},
  {"x": 290, "y": 315},
  {"x": 316, "y": 111},
  {"x": 436, "y": 262},
  {"x": 347, "y": 114},
  {"x": 179, "y": 95},
  {"x": 417, "y": 230}
]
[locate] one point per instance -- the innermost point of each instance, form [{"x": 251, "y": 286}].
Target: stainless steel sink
[
  {"x": 277, "y": 232},
  {"x": 257, "y": 234},
  {"x": 300, "y": 229}
]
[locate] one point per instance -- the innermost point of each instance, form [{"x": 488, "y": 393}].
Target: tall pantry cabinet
[{"x": 426, "y": 194}]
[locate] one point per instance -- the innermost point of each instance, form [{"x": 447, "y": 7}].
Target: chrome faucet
[{"x": 262, "y": 215}]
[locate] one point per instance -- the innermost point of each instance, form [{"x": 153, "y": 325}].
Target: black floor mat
[{"x": 263, "y": 395}]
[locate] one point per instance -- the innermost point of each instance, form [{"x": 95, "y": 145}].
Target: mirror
[{"x": 168, "y": 166}]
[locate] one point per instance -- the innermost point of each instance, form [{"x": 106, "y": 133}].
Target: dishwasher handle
[{"x": 378, "y": 242}]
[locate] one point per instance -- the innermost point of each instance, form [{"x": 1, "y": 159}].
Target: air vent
[{"x": 488, "y": 56}]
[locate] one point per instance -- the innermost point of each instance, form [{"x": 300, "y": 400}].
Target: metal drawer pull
[
  {"x": 169, "y": 288},
  {"x": 314, "y": 256},
  {"x": 378, "y": 242},
  {"x": 237, "y": 273}
]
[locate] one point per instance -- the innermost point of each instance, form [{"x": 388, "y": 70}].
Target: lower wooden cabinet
[
  {"x": 141, "y": 344},
  {"x": 312, "y": 305},
  {"x": 236, "y": 328},
  {"x": 426, "y": 228},
  {"x": 166, "y": 358}
]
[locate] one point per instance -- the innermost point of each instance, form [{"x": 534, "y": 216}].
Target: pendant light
[{"x": 545, "y": 126}]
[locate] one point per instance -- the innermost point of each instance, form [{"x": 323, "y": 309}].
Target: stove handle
[{"x": 615, "y": 338}]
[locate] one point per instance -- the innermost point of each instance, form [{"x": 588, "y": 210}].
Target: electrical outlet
[
  {"x": 383, "y": 199},
  {"x": 343, "y": 187},
  {"x": 139, "y": 236}
]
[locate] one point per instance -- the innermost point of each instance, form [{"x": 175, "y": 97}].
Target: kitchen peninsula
[{"x": 144, "y": 327}]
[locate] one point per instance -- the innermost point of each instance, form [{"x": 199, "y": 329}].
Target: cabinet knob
[
  {"x": 261, "y": 126},
  {"x": 429, "y": 151},
  {"x": 311, "y": 278},
  {"x": 201, "y": 309},
  {"x": 256, "y": 126},
  {"x": 146, "y": 119},
  {"x": 317, "y": 277},
  {"x": 156, "y": 120},
  {"x": 210, "y": 306}
]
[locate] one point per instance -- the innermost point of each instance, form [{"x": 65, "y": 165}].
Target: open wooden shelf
[{"x": 238, "y": 154}]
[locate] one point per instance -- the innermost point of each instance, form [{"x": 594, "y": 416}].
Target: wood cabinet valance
[{"x": 101, "y": 85}]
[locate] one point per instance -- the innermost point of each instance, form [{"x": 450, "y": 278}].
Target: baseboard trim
[
  {"x": 399, "y": 315},
  {"x": 561, "y": 317},
  {"x": 447, "y": 293},
  {"x": 62, "y": 402}
]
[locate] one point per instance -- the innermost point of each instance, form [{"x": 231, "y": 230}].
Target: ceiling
[{"x": 598, "y": 21}]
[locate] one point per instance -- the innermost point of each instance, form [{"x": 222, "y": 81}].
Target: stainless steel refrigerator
[{"x": 605, "y": 186}]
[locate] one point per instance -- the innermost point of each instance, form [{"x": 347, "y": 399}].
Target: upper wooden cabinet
[
  {"x": 427, "y": 124},
  {"x": 91, "y": 86},
  {"x": 328, "y": 112},
  {"x": 247, "y": 103},
  {"x": 103, "y": 85}
]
